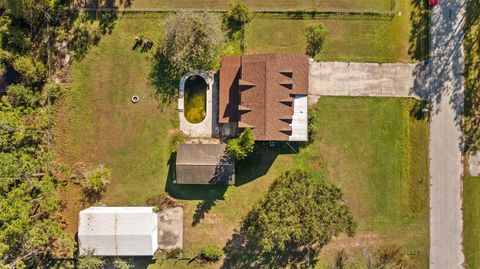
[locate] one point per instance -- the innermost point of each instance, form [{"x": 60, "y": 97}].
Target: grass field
[
  {"x": 471, "y": 220},
  {"x": 381, "y": 5},
  {"x": 472, "y": 68},
  {"x": 471, "y": 185},
  {"x": 371, "y": 148},
  {"x": 361, "y": 39}
]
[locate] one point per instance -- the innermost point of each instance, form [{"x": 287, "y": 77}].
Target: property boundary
[{"x": 298, "y": 12}]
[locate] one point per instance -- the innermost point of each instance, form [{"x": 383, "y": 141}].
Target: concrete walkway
[
  {"x": 362, "y": 79},
  {"x": 446, "y": 94}
]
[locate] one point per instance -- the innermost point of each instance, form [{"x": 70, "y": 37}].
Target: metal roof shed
[
  {"x": 118, "y": 231},
  {"x": 204, "y": 164}
]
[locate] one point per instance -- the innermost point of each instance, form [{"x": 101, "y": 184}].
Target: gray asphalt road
[{"x": 445, "y": 90}]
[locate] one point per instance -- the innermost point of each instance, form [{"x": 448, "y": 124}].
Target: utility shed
[
  {"x": 204, "y": 164},
  {"x": 118, "y": 231}
]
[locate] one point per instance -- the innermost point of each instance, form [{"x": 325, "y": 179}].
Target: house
[
  {"x": 267, "y": 93},
  {"x": 118, "y": 231},
  {"x": 204, "y": 164}
]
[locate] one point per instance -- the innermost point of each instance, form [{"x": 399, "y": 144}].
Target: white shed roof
[{"x": 118, "y": 231}]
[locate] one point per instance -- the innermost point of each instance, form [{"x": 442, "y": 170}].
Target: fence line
[{"x": 333, "y": 11}]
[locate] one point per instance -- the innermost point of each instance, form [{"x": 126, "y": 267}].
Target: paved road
[
  {"x": 362, "y": 79},
  {"x": 445, "y": 90}
]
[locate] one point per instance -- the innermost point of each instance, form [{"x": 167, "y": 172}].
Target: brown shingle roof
[{"x": 257, "y": 92}]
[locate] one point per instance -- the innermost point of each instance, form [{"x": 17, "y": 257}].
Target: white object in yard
[{"x": 118, "y": 231}]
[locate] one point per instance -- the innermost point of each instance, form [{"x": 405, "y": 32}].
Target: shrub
[
  {"x": 237, "y": 16},
  {"x": 20, "y": 95},
  {"x": 239, "y": 148},
  {"x": 30, "y": 69},
  {"x": 95, "y": 183},
  {"x": 122, "y": 264},
  {"x": 211, "y": 253},
  {"x": 315, "y": 37},
  {"x": 90, "y": 262},
  {"x": 175, "y": 140}
]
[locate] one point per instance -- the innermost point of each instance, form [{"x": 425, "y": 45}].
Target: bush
[
  {"x": 95, "y": 183},
  {"x": 90, "y": 262},
  {"x": 20, "y": 95},
  {"x": 175, "y": 140},
  {"x": 239, "y": 148},
  {"x": 211, "y": 253},
  {"x": 237, "y": 16},
  {"x": 30, "y": 69},
  {"x": 122, "y": 264},
  {"x": 315, "y": 37}
]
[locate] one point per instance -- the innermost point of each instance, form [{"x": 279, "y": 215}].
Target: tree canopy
[
  {"x": 237, "y": 16},
  {"x": 239, "y": 148},
  {"x": 298, "y": 216},
  {"x": 31, "y": 230},
  {"x": 315, "y": 35},
  {"x": 192, "y": 40}
]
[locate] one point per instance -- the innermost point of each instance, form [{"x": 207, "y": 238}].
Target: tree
[
  {"x": 30, "y": 69},
  {"x": 192, "y": 40},
  {"x": 239, "y": 148},
  {"x": 315, "y": 35},
  {"x": 237, "y": 16},
  {"x": 299, "y": 212},
  {"x": 20, "y": 95}
]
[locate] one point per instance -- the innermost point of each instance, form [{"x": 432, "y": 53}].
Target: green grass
[
  {"x": 471, "y": 220},
  {"x": 195, "y": 99},
  {"x": 361, "y": 39},
  {"x": 381, "y": 5},
  {"x": 370, "y": 147},
  {"x": 378, "y": 154},
  {"x": 472, "y": 74}
]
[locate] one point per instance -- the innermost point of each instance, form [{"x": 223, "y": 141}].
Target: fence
[{"x": 299, "y": 13}]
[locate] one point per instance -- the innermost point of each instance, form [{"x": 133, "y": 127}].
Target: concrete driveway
[{"x": 361, "y": 79}]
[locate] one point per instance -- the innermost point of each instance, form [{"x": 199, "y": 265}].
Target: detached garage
[{"x": 118, "y": 231}]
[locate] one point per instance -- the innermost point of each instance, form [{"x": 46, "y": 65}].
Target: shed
[
  {"x": 204, "y": 164},
  {"x": 118, "y": 231}
]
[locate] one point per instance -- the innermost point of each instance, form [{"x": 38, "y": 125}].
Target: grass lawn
[
  {"x": 381, "y": 5},
  {"x": 377, "y": 153},
  {"x": 472, "y": 68},
  {"x": 471, "y": 220},
  {"x": 360, "y": 39},
  {"x": 372, "y": 148}
]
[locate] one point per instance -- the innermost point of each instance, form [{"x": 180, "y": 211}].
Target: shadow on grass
[
  {"x": 88, "y": 28},
  {"x": 164, "y": 78},
  {"x": 262, "y": 158},
  {"x": 419, "y": 39},
  {"x": 241, "y": 253}
]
